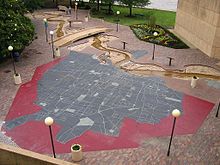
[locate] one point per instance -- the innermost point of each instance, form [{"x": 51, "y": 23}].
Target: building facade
[{"x": 198, "y": 21}]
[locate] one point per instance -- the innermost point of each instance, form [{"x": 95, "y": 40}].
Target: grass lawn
[{"x": 163, "y": 18}]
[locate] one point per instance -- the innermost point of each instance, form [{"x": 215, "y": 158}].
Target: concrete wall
[
  {"x": 10, "y": 155},
  {"x": 198, "y": 21}
]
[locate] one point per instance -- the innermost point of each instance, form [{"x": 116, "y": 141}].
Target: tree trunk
[
  {"x": 70, "y": 3},
  {"x": 130, "y": 7},
  {"x": 98, "y": 5},
  {"x": 109, "y": 7}
]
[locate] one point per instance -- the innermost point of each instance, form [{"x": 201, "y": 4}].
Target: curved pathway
[{"x": 127, "y": 64}]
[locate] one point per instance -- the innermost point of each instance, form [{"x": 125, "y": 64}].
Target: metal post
[
  {"x": 13, "y": 63},
  {"x": 46, "y": 33},
  {"x": 52, "y": 45},
  {"x": 51, "y": 138},
  {"x": 170, "y": 61},
  {"x": 217, "y": 110},
  {"x": 76, "y": 14},
  {"x": 46, "y": 25},
  {"x": 124, "y": 44},
  {"x": 153, "y": 51},
  {"x": 174, "y": 122}
]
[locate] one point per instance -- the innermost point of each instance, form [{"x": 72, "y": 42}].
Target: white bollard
[
  {"x": 194, "y": 81},
  {"x": 57, "y": 52},
  {"x": 17, "y": 78}
]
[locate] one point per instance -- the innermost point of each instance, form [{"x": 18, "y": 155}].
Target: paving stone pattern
[{"x": 81, "y": 94}]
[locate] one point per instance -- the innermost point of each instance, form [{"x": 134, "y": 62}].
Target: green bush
[
  {"x": 165, "y": 38},
  {"x": 15, "y": 29},
  {"x": 152, "y": 20},
  {"x": 32, "y": 5}
]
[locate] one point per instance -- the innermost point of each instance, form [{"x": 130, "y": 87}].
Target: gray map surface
[
  {"x": 139, "y": 53},
  {"x": 81, "y": 94},
  {"x": 214, "y": 84}
]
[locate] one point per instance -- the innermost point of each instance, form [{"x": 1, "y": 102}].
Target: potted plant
[
  {"x": 194, "y": 81},
  {"x": 77, "y": 154}
]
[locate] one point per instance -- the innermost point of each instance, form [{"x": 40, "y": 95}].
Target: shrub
[
  {"x": 15, "y": 29},
  {"x": 165, "y": 38}
]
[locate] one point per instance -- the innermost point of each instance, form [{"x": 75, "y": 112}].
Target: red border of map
[{"x": 34, "y": 135}]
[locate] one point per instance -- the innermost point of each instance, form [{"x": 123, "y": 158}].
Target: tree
[
  {"x": 15, "y": 29},
  {"x": 110, "y": 3},
  {"x": 97, "y": 2},
  {"x": 32, "y": 5},
  {"x": 137, "y": 3}
]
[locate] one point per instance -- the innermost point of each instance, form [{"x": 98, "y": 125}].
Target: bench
[{"x": 62, "y": 8}]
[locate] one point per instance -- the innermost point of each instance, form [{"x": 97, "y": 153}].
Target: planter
[
  {"x": 77, "y": 154},
  {"x": 86, "y": 19},
  {"x": 57, "y": 52},
  {"x": 17, "y": 78},
  {"x": 194, "y": 81}
]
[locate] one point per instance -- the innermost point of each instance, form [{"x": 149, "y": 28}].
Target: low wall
[{"x": 10, "y": 155}]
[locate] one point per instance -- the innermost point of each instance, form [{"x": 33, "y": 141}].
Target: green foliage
[
  {"x": 137, "y": 3},
  {"x": 76, "y": 147},
  {"x": 15, "y": 29},
  {"x": 141, "y": 16},
  {"x": 165, "y": 38},
  {"x": 152, "y": 20},
  {"x": 32, "y": 5}
]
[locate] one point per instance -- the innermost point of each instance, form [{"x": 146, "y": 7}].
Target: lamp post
[
  {"x": 49, "y": 121},
  {"x": 117, "y": 28},
  {"x": 46, "y": 27},
  {"x": 10, "y": 48},
  {"x": 175, "y": 113},
  {"x": 51, "y": 35},
  {"x": 76, "y": 15},
  {"x": 218, "y": 109},
  {"x": 155, "y": 34}
]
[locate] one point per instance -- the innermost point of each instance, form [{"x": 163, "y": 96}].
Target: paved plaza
[
  {"x": 119, "y": 117},
  {"x": 81, "y": 94}
]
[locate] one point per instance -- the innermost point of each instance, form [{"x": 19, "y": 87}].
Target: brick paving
[{"x": 200, "y": 148}]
